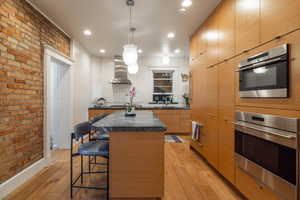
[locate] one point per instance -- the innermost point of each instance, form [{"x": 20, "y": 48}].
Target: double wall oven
[
  {"x": 265, "y": 75},
  {"x": 266, "y": 149}
]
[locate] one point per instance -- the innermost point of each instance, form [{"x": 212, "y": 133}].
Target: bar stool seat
[
  {"x": 101, "y": 136},
  {"x": 94, "y": 148}
]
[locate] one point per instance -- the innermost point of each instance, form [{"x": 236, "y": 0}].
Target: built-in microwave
[{"x": 265, "y": 75}]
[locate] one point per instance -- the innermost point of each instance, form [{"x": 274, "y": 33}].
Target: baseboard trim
[{"x": 13, "y": 183}]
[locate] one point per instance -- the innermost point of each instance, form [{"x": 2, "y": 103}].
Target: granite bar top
[
  {"x": 141, "y": 108},
  {"x": 144, "y": 121}
]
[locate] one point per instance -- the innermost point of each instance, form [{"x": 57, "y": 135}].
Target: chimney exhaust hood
[{"x": 121, "y": 77}]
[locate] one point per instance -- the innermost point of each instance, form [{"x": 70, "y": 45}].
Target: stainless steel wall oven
[
  {"x": 265, "y": 75},
  {"x": 266, "y": 148}
]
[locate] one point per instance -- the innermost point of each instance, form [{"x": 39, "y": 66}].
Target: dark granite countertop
[
  {"x": 170, "y": 107},
  {"x": 144, "y": 121}
]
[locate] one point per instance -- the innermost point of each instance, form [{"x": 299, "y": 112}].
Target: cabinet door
[
  {"x": 226, "y": 88},
  {"x": 211, "y": 94},
  {"x": 226, "y": 148},
  {"x": 279, "y": 17},
  {"x": 185, "y": 122},
  {"x": 212, "y": 38},
  {"x": 210, "y": 141},
  {"x": 201, "y": 40},
  {"x": 193, "y": 48},
  {"x": 247, "y": 24},
  {"x": 227, "y": 29}
]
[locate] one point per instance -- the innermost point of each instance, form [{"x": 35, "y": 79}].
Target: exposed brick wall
[{"x": 22, "y": 33}]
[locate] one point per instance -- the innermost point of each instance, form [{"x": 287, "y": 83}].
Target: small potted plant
[{"x": 130, "y": 105}]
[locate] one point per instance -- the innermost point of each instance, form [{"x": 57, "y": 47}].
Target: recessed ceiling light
[
  {"x": 182, "y": 9},
  {"x": 87, "y": 32},
  {"x": 177, "y": 51},
  {"x": 171, "y": 35},
  {"x": 140, "y": 51},
  {"x": 186, "y": 3},
  {"x": 102, "y": 51}
]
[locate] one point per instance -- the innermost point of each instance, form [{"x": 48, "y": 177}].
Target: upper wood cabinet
[
  {"x": 193, "y": 48},
  {"x": 247, "y": 24},
  {"x": 279, "y": 17},
  {"x": 227, "y": 29},
  {"x": 201, "y": 40},
  {"x": 211, "y": 36}
]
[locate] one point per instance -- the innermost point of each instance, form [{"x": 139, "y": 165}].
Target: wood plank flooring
[{"x": 187, "y": 177}]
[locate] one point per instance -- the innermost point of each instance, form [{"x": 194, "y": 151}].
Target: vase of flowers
[{"x": 130, "y": 107}]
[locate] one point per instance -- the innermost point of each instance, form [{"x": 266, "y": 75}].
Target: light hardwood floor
[{"x": 187, "y": 177}]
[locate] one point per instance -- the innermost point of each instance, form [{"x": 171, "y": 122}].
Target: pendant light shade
[
  {"x": 130, "y": 54},
  {"x": 133, "y": 69}
]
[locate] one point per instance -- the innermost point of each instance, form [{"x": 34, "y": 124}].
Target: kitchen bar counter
[
  {"x": 148, "y": 107},
  {"x": 143, "y": 121},
  {"x": 136, "y": 155},
  {"x": 176, "y": 117}
]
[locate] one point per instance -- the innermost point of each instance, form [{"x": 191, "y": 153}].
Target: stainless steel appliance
[
  {"x": 265, "y": 75},
  {"x": 266, "y": 148}
]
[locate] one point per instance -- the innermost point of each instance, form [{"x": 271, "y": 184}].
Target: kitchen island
[
  {"x": 176, "y": 118},
  {"x": 136, "y": 151}
]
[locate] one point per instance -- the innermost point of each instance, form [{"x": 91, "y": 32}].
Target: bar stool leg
[
  {"x": 89, "y": 163},
  {"x": 81, "y": 172},
  {"x": 107, "y": 179}
]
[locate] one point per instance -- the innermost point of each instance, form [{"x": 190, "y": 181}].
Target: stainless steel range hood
[{"x": 121, "y": 76}]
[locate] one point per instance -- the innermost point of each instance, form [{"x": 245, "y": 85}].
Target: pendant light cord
[{"x": 130, "y": 23}]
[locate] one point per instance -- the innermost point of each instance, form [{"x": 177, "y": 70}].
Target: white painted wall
[
  {"x": 81, "y": 84},
  {"x": 103, "y": 72}
]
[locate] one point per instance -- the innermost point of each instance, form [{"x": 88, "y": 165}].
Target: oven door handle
[
  {"x": 261, "y": 64},
  {"x": 267, "y": 131}
]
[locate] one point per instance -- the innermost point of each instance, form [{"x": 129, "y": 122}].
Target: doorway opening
[
  {"x": 60, "y": 86},
  {"x": 58, "y": 113}
]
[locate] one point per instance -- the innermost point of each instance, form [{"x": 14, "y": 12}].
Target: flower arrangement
[{"x": 132, "y": 94}]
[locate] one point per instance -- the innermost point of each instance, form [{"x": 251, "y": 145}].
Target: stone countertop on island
[
  {"x": 144, "y": 121},
  {"x": 146, "y": 107}
]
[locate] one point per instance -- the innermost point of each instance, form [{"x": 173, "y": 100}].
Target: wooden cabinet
[
  {"x": 171, "y": 119},
  {"x": 201, "y": 40},
  {"x": 211, "y": 94},
  {"x": 210, "y": 141},
  {"x": 193, "y": 48},
  {"x": 212, "y": 38},
  {"x": 226, "y": 117},
  {"x": 226, "y": 148},
  {"x": 252, "y": 189},
  {"x": 279, "y": 17},
  {"x": 226, "y": 88},
  {"x": 95, "y": 112},
  {"x": 226, "y": 29},
  {"x": 247, "y": 24},
  {"x": 185, "y": 122}
]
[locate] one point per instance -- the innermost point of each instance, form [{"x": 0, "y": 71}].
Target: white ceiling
[{"x": 108, "y": 21}]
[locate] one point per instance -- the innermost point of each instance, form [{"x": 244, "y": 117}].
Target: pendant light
[
  {"x": 133, "y": 69},
  {"x": 130, "y": 54}
]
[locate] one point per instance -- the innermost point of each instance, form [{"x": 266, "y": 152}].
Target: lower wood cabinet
[
  {"x": 177, "y": 121},
  {"x": 226, "y": 149},
  {"x": 210, "y": 141},
  {"x": 252, "y": 189}
]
